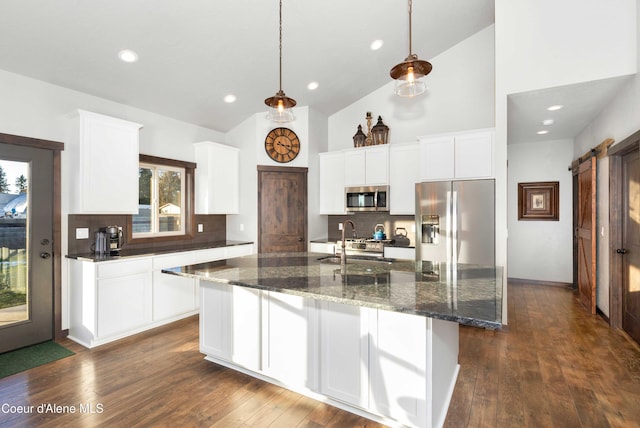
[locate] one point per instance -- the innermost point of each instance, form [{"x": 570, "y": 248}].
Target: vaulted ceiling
[{"x": 194, "y": 52}]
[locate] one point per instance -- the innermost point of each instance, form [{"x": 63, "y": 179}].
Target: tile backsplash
[
  {"x": 214, "y": 229},
  {"x": 366, "y": 222}
]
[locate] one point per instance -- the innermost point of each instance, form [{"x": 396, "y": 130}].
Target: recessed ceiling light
[
  {"x": 229, "y": 98},
  {"x": 312, "y": 86},
  {"x": 128, "y": 56},
  {"x": 555, "y": 107},
  {"x": 542, "y": 132},
  {"x": 376, "y": 44},
  {"x": 547, "y": 122}
]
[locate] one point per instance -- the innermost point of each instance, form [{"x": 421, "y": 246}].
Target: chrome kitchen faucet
[{"x": 343, "y": 254}]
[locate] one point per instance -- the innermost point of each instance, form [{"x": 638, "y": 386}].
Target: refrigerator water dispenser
[{"x": 430, "y": 229}]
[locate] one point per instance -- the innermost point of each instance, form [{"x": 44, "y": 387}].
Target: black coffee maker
[{"x": 115, "y": 239}]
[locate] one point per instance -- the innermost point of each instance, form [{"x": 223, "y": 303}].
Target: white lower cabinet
[
  {"x": 398, "y": 367},
  {"x": 322, "y": 247},
  {"x": 290, "y": 334},
  {"x": 245, "y": 318},
  {"x": 214, "y": 320},
  {"x": 108, "y": 300},
  {"x": 393, "y": 367},
  {"x": 123, "y": 303},
  {"x": 173, "y": 295},
  {"x": 344, "y": 353},
  {"x": 114, "y": 299},
  {"x": 404, "y": 253},
  {"x": 230, "y": 324}
]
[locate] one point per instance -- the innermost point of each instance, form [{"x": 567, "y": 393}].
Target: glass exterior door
[{"x": 26, "y": 259}]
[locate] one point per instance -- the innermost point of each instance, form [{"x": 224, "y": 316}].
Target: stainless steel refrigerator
[{"x": 455, "y": 221}]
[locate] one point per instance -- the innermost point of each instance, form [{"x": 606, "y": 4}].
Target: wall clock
[{"x": 282, "y": 145}]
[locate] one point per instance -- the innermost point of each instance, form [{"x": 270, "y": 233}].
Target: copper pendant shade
[
  {"x": 409, "y": 73},
  {"x": 280, "y": 105}
]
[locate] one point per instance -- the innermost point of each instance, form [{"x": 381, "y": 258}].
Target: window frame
[{"x": 189, "y": 202}]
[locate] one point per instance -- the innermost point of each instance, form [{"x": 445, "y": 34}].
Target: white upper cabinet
[
  {"x": 457, "y": 155},
  {"x": 332, "y": 168},
  {"x": 404, "y": 173},
  {"x": 105, "y": 159},
  {"x": 367, "y": 166},
  {"x": 437, "y": 157},
  {"x": 217, "y": 178}
]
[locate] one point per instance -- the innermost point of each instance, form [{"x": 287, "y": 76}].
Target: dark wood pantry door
[
  {"x": 630, "y": 249},
  {"x": 585, "y": 233},
  {"x": 282, "y": 209}
]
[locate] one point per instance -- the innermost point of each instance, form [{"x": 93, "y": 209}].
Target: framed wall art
[{"x": 539, "y": 201}]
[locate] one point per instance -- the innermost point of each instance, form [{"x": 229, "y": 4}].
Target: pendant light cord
[
  {"x": 410, "y": 48},
  {"x": 280, "y": 45}
]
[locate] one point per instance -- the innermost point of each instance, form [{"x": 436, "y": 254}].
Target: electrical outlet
[
  {"x": 82, "y": 233},
  {"x": 339, "y": 226},
  {"x": 241, "y": 227},
  {"x": 200, "y": 227},
  {"x": 413, "y": 227}
]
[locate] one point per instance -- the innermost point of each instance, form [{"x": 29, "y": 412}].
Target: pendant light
[
  {"x": 280, "y": 105},
  {"x": 409, "y": 74}
]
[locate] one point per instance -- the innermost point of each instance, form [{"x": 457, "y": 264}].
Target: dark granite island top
[{"x": 464, "y": 293}]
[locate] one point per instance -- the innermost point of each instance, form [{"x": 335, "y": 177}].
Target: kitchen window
[{"x": 163, "y": 195}]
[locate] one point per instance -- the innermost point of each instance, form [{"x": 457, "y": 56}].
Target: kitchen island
[{"x": 378, "y": 338}]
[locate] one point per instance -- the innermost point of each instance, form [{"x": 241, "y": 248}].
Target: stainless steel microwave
[{"x": 367, "y": 198}]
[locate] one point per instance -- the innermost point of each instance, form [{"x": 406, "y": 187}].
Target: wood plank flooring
[{"x": 555, "y": 366}]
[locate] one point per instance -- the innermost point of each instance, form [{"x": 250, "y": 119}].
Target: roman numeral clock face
[{"x": 282, "y": 145}]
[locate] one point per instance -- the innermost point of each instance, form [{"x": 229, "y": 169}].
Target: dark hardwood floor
[{"x": 555, "y": 366}]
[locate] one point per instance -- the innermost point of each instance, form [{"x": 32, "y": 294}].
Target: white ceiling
[
  {"x": 194, "y": 52},
  {"x": 582, "y": 103}
]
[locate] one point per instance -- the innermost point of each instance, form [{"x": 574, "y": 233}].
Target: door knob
[
  {"x": 45, "y": 255},
  {"x": 300, "y": 239},
  {"x": 621, "y": 251}
]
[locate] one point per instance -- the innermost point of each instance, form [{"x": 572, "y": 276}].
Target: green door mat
[{"x": 30, "y": 357}]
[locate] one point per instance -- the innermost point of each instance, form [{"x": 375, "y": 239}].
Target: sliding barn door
[{"x": 585, "y": 234}]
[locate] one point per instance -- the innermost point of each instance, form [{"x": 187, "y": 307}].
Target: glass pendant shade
[
  {"x": 409, "y": 76},
  {"x": 280, "y": 108}
]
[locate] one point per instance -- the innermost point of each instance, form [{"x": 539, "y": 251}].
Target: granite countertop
[
  {"x": 144, "y": 252},
  {"x": 466, "y": 294}
]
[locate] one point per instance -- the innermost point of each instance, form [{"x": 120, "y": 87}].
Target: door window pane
[{"x": 14, "y": 284}]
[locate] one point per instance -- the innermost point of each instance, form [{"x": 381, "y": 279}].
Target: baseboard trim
[{"x": 520, "y": 281}]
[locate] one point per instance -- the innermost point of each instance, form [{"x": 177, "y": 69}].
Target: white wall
[
  {"x": 548, "y": 43},
  {"x": 617, "y": 120},
  {"x": 32, "y": 108},
  {"x": 310, "y": 127},
  {"x": 460, "y": 96},
  {"x": 541, "y": 250}
]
